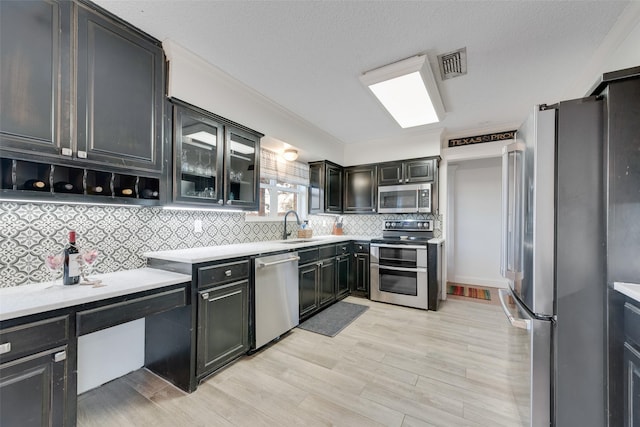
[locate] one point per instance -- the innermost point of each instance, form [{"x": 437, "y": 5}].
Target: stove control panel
[{"x": 409, "y": 225}]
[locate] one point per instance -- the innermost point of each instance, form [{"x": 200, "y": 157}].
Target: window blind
[{"x": 273, "y": 166}]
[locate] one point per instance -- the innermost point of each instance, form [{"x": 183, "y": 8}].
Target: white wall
[
  {"x": 193, "y": 80},
  {"x": 620, "y": 49},
  {"x": 109, "y": 354},
  {"x": 411, "y": 145},
  {"x": 475, "y": 195}
]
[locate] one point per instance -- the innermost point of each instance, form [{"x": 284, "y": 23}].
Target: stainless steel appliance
[
  {"x": 407, "y": 198},
  {"x": 399, "y": 264},
  {"x": 276, "y": 296},
  {"x": 553, "y": 255}
]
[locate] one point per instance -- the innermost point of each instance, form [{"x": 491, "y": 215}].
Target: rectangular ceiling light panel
[{"x": 408, "y": 91}]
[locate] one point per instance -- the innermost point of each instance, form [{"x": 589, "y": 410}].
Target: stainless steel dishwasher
[{"x": 276, "y": 296}]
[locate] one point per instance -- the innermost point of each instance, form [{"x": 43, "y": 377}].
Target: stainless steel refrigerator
[{"x": 553, "y": 255}]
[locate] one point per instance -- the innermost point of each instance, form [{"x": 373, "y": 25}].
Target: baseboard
[{"x": 479, "y": 281}]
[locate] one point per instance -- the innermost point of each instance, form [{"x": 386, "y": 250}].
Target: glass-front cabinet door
[
  {"x": 198, "y": 160},
  {"x": 241, "y": 168}
]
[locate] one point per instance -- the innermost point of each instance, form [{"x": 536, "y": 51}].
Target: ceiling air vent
[{"x": 453, "y": 64}]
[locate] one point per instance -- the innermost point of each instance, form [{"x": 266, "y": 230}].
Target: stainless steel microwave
[{"x": 408, "y": 198}]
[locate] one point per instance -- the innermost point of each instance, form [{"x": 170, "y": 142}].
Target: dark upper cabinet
[
  {"x": 242, "y": 174},
  {"x": 119, "y": 103},
  {"x": 216, "y": 162},
  {"x": 391, "y": 173},
  {"x": 325, "y": 187},
  {"x": 79, "y": 87},
  {"x": 409, "y": 171},
  {"x": 35, "y": 76},
  {"x": 360, "y": 189},
  {"x": 198, "y": 157}
]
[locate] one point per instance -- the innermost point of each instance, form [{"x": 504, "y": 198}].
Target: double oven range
[{"x": 405, "y": 265}]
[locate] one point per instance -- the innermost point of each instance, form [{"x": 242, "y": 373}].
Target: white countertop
[
  {"x": 34, "y": 298},
  {"x": 214, "y": 253},
  {"x": 632, "y": 290}
]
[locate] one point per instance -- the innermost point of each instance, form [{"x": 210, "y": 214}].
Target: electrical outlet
[{"x": 197, "y": 226}]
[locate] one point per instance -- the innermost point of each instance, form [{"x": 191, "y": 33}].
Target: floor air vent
[{"x": 453, "y": 64}]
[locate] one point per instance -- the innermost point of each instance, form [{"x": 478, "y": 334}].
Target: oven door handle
[
  {"x": 411, "y": 270},
  {"x": 385, "y": 245}
]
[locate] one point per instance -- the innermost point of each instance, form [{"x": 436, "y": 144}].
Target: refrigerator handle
[
  {"x": 509, "y": 174},
  {"x": 504, "y": 221},
  {"x": 517, "y": 323}
]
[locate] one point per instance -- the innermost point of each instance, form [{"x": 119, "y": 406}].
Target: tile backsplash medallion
[{"x": 121, "y": 234}]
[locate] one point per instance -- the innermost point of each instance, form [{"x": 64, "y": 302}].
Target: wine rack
[{"x": 35, "y": 181}]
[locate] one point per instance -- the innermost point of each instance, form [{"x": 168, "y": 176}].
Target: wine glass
[
  {"x": 54, "y": 262},
  {"x": 184, "y": 160},
  {"x": 88, "y": 257}
]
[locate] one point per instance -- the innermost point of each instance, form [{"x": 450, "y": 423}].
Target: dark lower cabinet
[
  {"x": 342, "y": 275},
  {"x": 33, "y": 390},
  {"x": 360, "y": 284},
  {"x": 308, "y": 279},
  {"x": 327, "y": 287},
  {"x": 223, "y": 325},
  {"x": 631, "y": 386}
]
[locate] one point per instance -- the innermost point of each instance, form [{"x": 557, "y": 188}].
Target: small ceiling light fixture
[
  {"x": 290, "y": 154},
  {"x": 407, "y": 90}
]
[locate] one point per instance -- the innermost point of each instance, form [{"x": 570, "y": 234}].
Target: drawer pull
[
  {"x": 227, "y": 273},
  {"x": 205, "y": 295},
  {"x": 60, "y": 356},
  {"x": 5, "y": 348}
]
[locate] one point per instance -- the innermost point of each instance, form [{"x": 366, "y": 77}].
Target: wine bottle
[
  {"x": 71, "y": 270},
  {"x": 148, "y": 193},
  {"x": 63, "y": 187},
  {"x": 98, "y": 189},
  {"x": 35, "y": 185},
  {"x": 125, "y": 192}
]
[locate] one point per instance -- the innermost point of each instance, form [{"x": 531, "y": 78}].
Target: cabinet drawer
[
  {"x": 325, "y": 252},
  {"x": 93, "y": 320},
  {"x": 223, "y": 273},
  {"x": 32, "y": 337},
  {"x": 307, "y": 256},
  {"x": 632, "y": 323},
  {"x": 361, "y": 248},
  {"x": 343, "y": 248}
]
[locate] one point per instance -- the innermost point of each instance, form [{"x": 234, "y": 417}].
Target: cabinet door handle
[
  {"x": 82, "y": 154},
  {"x": 5, "y": 347},
  {"x": 227, "y": 273},
  {"x": 60, "y": 356},
  {"x": 67, "y": 152},
  {"x": 205, "y": 295}
]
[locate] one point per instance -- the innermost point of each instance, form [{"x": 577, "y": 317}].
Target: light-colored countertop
[
  {"x": 632, "y": 290},
  {"x": 34, "y": 298},
  {"x": 214, "y": 253}
]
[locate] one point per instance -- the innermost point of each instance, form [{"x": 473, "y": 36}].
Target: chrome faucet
[{"x": 285, "y": 234}]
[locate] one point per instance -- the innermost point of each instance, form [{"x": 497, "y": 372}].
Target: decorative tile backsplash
[{"x": 121, "y": 234}]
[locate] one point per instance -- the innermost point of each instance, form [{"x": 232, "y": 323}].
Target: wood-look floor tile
[{"x": 393, "y": 366}]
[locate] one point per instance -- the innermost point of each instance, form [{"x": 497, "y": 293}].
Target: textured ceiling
[{"x": 307, "y": 55}]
